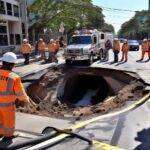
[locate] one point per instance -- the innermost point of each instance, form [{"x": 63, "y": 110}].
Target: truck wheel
[
  {"x": 91, "y": 59},
  {"x": 68, "y": 62},
  {"x": 100, "y": 54}
]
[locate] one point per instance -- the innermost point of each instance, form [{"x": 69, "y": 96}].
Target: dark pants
[
  {"x": 42, "y": 52},
  {"x": 52, "y": 57},
  {"x": 106, "y": 54},
  {"x": 26, "y": 57},
  {"x": 116, "y": 52}
]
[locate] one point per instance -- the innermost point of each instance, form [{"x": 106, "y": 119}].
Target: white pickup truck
[{"x": 86, "y": 45}]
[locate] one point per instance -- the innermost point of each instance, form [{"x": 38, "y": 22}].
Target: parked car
[
  {"x": 140, "y": 42},
  {"x": 121, "y": 40},
  {"x": 134, "y": 45}
]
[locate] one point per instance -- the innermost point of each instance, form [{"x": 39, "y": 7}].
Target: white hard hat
[
  {"x": 25, "y": 40},
  {"x": 9, "y": 57},
  {"x": 144, "y": 40},
  {"x": 51, "y": 40},
  {"x": 40, "y": 39},
  {"x": 115, "y": 39}
]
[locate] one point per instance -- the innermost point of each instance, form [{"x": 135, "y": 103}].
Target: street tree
[
  {"x": 73, "y": 13},
  {"x": 138, "y": 27}
]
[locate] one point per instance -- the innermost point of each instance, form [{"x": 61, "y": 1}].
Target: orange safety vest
[
  {"x": 41, "y": 46},
  {"x": 146, "y": 46},
  {"x": 116, "y": 45},
  {"x": 26, "y": 48},
  {"x": 51, "y": 47},
  {"x": 57, "y": 46},
  {"x": 11, "y": 89},
  {"x": 125, "y": 47}
]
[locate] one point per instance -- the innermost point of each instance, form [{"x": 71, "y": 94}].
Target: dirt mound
[{"x": 44, "y": 94}]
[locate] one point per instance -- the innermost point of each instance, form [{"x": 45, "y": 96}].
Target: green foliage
[
  {"x": 73, "y": 13},
  {"x": 138, "y": 27},
  {"x": 108, "y": 28}
]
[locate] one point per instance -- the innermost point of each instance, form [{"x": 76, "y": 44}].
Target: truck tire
[
  {"x": 68, "y": 62},
  {"x": 91, "y": 59},
  {"x": 100, "y": 55}
]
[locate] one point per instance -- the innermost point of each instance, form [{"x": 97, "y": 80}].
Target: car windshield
[
  {"x": 81, "y": 40},
  {"x": 132, "y": 41}
]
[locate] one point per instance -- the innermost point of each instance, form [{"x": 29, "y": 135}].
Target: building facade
[{"x": 13, "y": 24}]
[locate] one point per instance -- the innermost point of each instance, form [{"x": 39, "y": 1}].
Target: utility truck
[{"x": 86, "y": 45}]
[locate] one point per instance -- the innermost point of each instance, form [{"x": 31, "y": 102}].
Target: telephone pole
[{"x": 149, "y": 6}]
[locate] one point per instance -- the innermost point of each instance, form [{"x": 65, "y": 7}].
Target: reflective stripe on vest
[
  {"x": 9, "y": 87},
  {"x": 8, "y": 129},
  {"x": 7, "y": 93},
  {"x": 7, "y": 104},
  {"x": 19, "y": 94},
  {"x": 9, "y": 84},
  {"x": 1, "y": 126}
]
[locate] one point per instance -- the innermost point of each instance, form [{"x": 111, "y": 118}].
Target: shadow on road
[
  {"x": 145, "y": 61},
  {"x": 143, "y": 137},
  {"x": 120, "y": 63}
]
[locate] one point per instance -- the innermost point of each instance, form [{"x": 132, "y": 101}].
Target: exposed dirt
[{"x": 43, "y": 93}]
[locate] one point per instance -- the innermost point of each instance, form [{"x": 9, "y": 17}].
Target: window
[
  {"x": 102, "y": 36},
  {"x": 3, "y": 36},
  {"x": 23, "y": 36},
  {"x": 2, "y": 7},
  {"x": 9, "y": 9},
  {"x": 3, "y": 29},
  {"x": 23, "y": 28},
  {"x": 3, "y": 40},
  {"x": 94, "y": 39},
  {"x": 18, "y": 39},
  {"x": 12, "y": 39},
  {"x": 16, "y": 11},
  {"x": 81, "y": 40}
]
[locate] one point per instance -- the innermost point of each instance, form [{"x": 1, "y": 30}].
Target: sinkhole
[
  {"x": 83, "y": 87},
  {"x": 83, "y": 91}
]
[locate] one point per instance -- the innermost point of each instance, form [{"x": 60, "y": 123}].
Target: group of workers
[
  {"x": 40, "y": 47},
  {"x": 145, "y": 48},
  {"x": 54, "y": 46}
]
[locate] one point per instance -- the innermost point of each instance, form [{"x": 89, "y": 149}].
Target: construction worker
[
  {"x": 108, "y": 46},
  {"x": 61, "y": 42},
  {"x": 11, "y": 89},
  {"x": 116, "y": 49},
  {"x": 125, "y": 49},
  {"x": 41, "y": 48},
  {"x": 52, "y": 50},
  {"x": 26, "y": 50},
  {"x": 57, "y": 46},
  {"x": 145, "y": 49}
]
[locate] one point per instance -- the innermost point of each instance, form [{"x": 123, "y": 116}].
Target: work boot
[
  {"x": 139, "y": 60},
  {"x": 9, "y": 138}
]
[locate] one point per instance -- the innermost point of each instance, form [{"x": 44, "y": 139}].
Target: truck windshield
[{"x": 81, "y": 40}]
